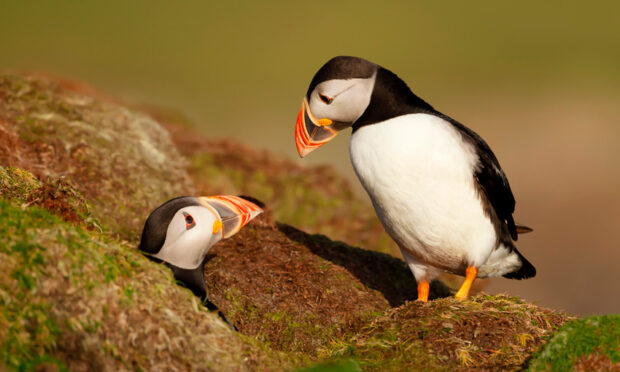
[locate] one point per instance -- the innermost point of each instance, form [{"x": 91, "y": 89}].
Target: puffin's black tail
[{"x": 527, "y": 270}]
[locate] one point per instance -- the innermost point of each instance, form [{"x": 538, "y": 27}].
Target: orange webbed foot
[{"x": 470, "y": 275}]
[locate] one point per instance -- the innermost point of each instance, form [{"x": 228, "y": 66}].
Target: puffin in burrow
[
  {"x": 435, "y": 184},
  {"x": 181, "y": 231}
]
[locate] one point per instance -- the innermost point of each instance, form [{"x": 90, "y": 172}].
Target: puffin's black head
[
  {"x": 342, "y": 68},
  {"x": 350, "y": 91}
]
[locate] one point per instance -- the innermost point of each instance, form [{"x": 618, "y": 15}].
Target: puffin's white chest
[{"x": 418, "y": 171}]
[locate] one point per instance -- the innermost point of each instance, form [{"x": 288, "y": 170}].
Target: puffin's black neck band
[{"x": 391, "y": 97}]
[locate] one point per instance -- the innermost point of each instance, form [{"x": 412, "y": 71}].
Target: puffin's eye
[
  {"x": 189, "y": 221},
  {"x": 326, "y": 100}
]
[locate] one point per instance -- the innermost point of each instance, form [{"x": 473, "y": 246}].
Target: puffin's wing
[
  {"x": 493, "y": 181},
  {"x": 491, "y": 178}
]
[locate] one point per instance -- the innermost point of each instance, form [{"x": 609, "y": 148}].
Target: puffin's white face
[
  {"x": 182, "y": 230},
  {"x": 341, "y": 101},
  {"x": 332, "y": 106},
  {"x": 190, "y": 234}
]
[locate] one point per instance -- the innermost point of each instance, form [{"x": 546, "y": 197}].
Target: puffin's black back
[{"x": 156, "y": 225}]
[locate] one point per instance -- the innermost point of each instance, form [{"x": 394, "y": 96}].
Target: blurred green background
[{"x": 540, "y": 81}]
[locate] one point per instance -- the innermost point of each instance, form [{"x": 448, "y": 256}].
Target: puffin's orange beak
[
  {"x": 233, "y": 211},
  {"x": 310, "y": 132}
]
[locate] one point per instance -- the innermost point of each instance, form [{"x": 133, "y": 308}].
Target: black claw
[
  {"x": 232, "y": 326},
  {"x": 212, "y": 307},
  {"x": 194, "y": 281}
]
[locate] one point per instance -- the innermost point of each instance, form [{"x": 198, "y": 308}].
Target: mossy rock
[
  {"x": 486, "y": 332},
  {"x": 55, "y": 195},
  {"x": 74, "y": 299},
  {"x": 583, "y": 345},
  {"x": 120, "y": 160}
]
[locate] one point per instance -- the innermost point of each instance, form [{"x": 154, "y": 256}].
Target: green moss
[
  {"x": 43, "y": 362},
  {"x": 16, "y": 183},
  {"x": 346, "y": 365},
  {"x": 29, "y": 333},
  {"x": 385, "y": 351},
  {"x": 580, "y": 338}
]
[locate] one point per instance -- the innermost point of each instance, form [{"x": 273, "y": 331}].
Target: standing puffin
[
  {"x": 435, "y": 184},
  {"x": 181, "y": 231}
]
